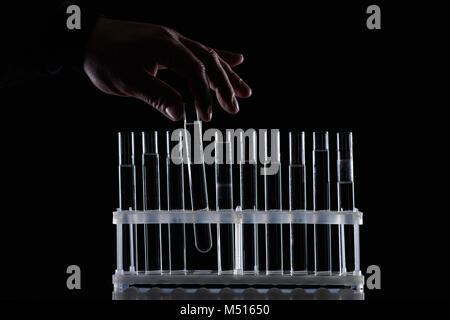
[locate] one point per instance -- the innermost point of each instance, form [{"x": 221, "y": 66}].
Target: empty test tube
[
  {"x": 224, "y": 200},
  {"x": 197, "y": 176},
  {"x": 346, "y": 199},
  {"x": 151, "y": 197},
  {"x": 249, "y": 201},
  {"x": 297, "y": 201},
  {"x": 321, "y": 195},
  {"x": 127, "y": 199},
  {"x": 175, "y": 201},
  {"x": 272, "y": 201}
]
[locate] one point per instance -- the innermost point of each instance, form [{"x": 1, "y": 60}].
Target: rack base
[
  {"x": 180, "y": 293},
  {"x": 261, "y": 286}
]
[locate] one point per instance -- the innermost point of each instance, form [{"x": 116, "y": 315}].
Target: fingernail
[
  {"x": 246, "y": 86},
  {"x": 235, "y": 103},
  {"x": 209, "y": 114},
  {"x": 206, "y": 116},
  {"x": 172, "y": 112}
]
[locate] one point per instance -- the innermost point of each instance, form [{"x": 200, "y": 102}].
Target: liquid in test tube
[
  {"x": 127, "y": 198},
  {"x": 346, "y": 198},
  {"x": 272, "y": 201},
  {"x": 249, "y": 201},
  {"x": 321, "y": 195},
  {"x": 151, "y": 197},
  {"x": 197, "y": 176},
  {"x": 175, "y": 201},
  {"x": 297, "y": 201},
  {"x": 224, "y": 200}
]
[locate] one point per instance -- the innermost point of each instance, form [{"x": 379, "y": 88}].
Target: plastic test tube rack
[{"x": 346, "y": 218}]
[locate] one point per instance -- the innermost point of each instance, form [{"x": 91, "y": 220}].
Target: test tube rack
[
  {"x": 334, "y": 231},
  {"x": 123, "y": 279}
]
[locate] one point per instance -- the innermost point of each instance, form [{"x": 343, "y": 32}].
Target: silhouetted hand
[{"x": 123, "y": 58}]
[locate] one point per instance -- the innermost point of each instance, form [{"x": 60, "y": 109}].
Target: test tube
[
  {"x": 127, "y": 199},
  {"x": 297, "y": 201},
  {"x": 272, "y": 201},
  {"x": 346, "y": 199},
  {"x": 175, "y": 201},
  {"x": 321, "y": 195},
  {"x": 197, "y": 176},
  {"x": 224, "y": 200},
  {"x": 151, "y": 197},
  {"x": 249, "y": 201}
]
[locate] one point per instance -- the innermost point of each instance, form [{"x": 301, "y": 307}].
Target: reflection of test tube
[
  {"x": 224, "y": 200},
  {"x": 249, "y": 200},
  {"x": 346, "y": 199},
  {"x": 175, "y": 201},
  {"x": 127, "y": 197},
  {"x": 197, "y": 176},
  {"x": 151, "y": 195},
  {"x": 321, "y": 192},
  {"x": 272, "y": 201},
  {"x": 297, "y": 201}
]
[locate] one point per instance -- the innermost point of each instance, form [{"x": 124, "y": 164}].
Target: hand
[{"x": 123, "y": 58}]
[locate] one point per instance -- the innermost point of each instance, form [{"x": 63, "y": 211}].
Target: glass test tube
[
  {"x": 321, "y": 195},
  {"x": 249, "y": 201},
  {"x": 224, "y": 200},
  {"x": 272, "y": 201},
  {"x": 151, "y": 197},
  {"x": 297, "y": 201},
  {"x": 197, "y": 176},
  {"x": 175, "y": 201},
  {"x": 127, "y": 199},
  {"x": 346, "y": 199}
]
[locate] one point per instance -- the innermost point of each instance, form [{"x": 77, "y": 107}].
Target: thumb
[{"x": 158, "y": 94}]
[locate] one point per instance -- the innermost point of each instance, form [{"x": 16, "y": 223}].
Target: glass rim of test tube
[
  {"x": 126, "y": 150},
  {"x": 150, "y": 142},
  {"x": 252, "y": 148}
]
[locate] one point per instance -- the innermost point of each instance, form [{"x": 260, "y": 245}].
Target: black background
[{"x": 312, "y": 66}]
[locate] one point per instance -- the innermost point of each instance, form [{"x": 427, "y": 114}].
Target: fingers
[
  {"x": 204, "y": 68},
  {"x": 223, "y": 79},
  {"x": 232, "y": 58},
  {"x": 218, "y": 77},
  {"x": 227, "y": 59},
  {"x": 158, "y": 94},
  {"x": 181, "y": 60},
  {"x": 241, "y": 89}
]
